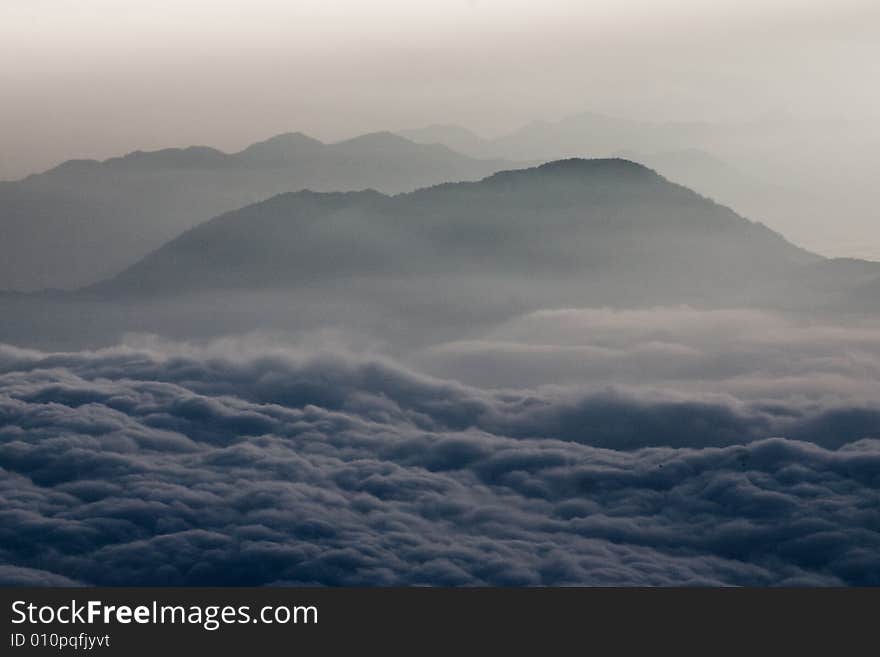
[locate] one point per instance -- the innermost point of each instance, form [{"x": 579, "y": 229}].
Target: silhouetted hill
[
  {"x": 593, "y": 134},
  {"x": 280, "y": 150},
  {"x": 751, "y": 166},
  {"x": 587, "y": 133},
  {"x": 573, "y": 232},
  {"x": 454, "y": 136},
  {"x": 448, "y": 262},
  {"x": 85, "y": 219}
]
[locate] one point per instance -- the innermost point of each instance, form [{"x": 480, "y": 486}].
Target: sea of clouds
[{"x": 670, "y": 446}]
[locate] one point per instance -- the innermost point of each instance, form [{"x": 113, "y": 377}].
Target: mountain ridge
[
  {"x": 747, "y": 164},
  {"x": 542, "y": 214},
  {"x": 84, "y": 220},
  {"x": 197, "y": 154},
  {"x": 450, "y": 260}
]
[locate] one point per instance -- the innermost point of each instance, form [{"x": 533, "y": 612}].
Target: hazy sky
[{"x": 93, "y": 78}]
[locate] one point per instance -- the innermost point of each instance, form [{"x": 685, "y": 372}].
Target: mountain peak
[
  {"x": 593, "y": 165},
  {"x": 580, "y": 168},
  {"x": 189, "y": 157},
  {"x": 379, "y": 139},
  {"x": 388, "y": 144},
  {"x": 281, "y": 148}
]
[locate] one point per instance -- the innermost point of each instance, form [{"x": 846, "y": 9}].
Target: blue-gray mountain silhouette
[
  {"x": 85, "y": 220},
  {"x": 449, "y": 260},
  {"x": 575, "y": 232},
  {"x": 739, "y": 164}
]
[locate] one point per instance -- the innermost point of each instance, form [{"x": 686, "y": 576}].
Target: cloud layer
[
  {"x": 752, "y": 354},
  {"x": 251, "y": 464}
]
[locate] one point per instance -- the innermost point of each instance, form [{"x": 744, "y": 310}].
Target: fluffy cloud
[
  {"x": 747, "y": 353},
  {"x": 248, "y": 464}
]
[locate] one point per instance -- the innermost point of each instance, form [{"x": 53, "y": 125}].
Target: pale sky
[{"x": 96, "y": 78}]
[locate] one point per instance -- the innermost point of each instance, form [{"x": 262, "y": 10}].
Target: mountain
[
  {"x": 573, "y": 232},
  {"x": 448, "y": 262},
  {"x": 85, "y": 220},
  {"x": 587, "y": 133},
  {"x": 596, "y": 135},
  {"x": 455, "y": 137},
  {"x": 774, "y": 169}
]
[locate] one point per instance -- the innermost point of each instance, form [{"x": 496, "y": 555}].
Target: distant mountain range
[
  {"x": 85, "y": 220},
  {"x": 445, "y": 261},
  {"x": 753, "y": 167},
  {"x": 676, "y": 151},
  {"x": 587, "y": 133}
]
